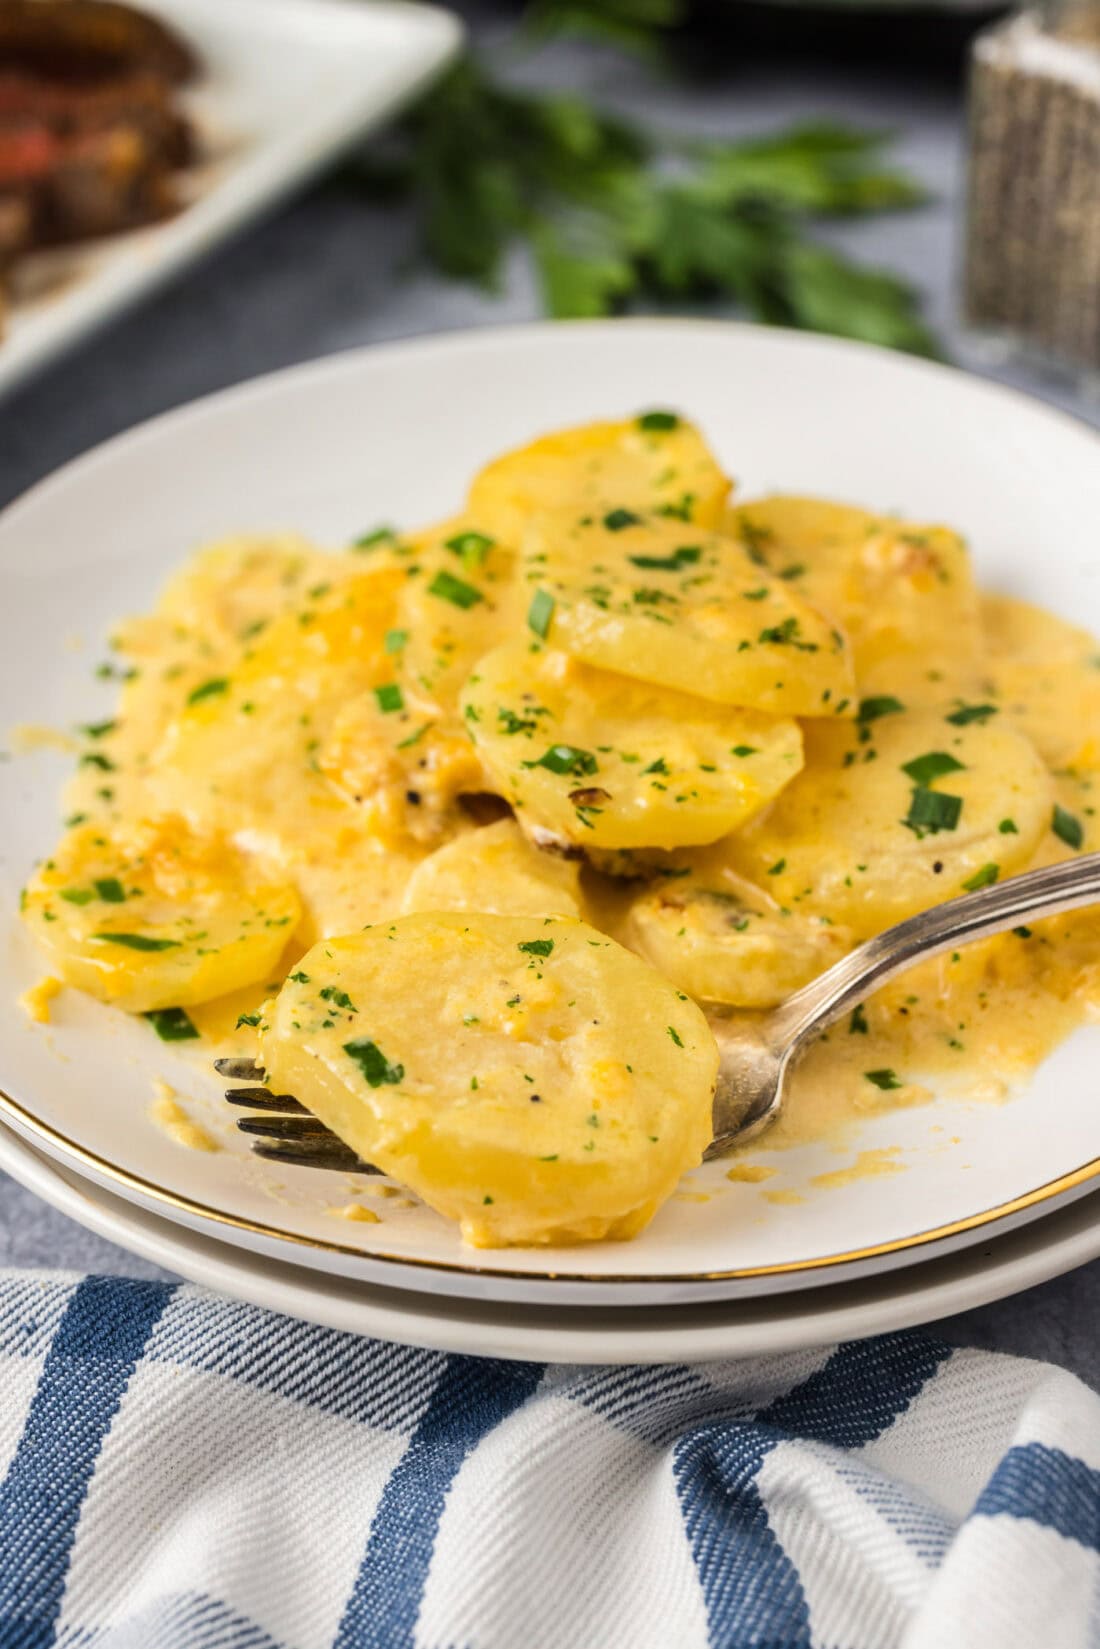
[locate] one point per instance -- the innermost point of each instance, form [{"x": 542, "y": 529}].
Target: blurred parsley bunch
[{"x": 613, "y": 214}]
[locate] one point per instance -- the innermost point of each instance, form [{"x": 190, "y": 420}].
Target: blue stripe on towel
[
  {"x": 89, "y": 1363},
  {"x": 1049, "y": 1487},
  {"x": 752, "y": 1591},
  {"x": 472, "y": 1398}
]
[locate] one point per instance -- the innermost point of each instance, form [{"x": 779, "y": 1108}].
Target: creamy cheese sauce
[{"x": 172, "y": 1119}]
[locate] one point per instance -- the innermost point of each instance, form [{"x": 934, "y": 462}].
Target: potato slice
[
  {"x": 896, "y": 814},
  {"x": 666, "y": 603},
  {"x": 1045, "y": 674},
  {"x": 157, "y": 917},
  {"x": 465, "y": 599},
  {"x": 495, "y": 870},
  {"x": 722, "y": 940},
  {"x": 657, "y": 461},
  {"x": 526, "y": 1076},
  {"x": 902, "y": 592},
  {"x": 598, "y": 760}
]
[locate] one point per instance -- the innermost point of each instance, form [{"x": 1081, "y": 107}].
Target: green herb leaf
[
  {"x": 536, "y": 947},
  {"x": 686, "y": 555},
  {"x": 377, "y": 535},
  {"x": 137, "y": 941},
  {"x": 658, "y": 421},
  {"x": 172, "y": 1024},
  {"x": 208, "y": 689},
  {"x": 110, "y": 890},
  {"x": 884, "y": 705},
  {"x": 983, "y": 877},
  {"x": 541, "y": 612},
  {"x": 967, "y": 713},
  {"x": 931, "y": 811},
  {"x": 396, "y": 641},
  {"x": 884, "y": 1078},
  {"x": 616, "y": 520},
  {"x": 77, "y": 895},
  {"x": 470, "y": 547},
  {"x": 675, "y": 1035},
  {"x": 567, "y": 758},
  {"x": 923, "y": 769},
  {"x": 372, "y": 1062},
  {"x": 1067, "y": 827},
  {"x": 454, "y": 590},
  {"x": 389, "y": 697},
  {"x": 247, "y": 1019},
  {"x": 857, "y": 1024}
]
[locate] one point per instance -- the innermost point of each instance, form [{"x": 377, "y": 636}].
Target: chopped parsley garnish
[
  {"x": 923, "y": 769},
  {"x": 659, "y": 766},
  {"x": 675, "y": 1035},
  {"x": 983, "y": 877},
  {"x": 1067, "y": 827},
  {"x": 247, "y": 1019},
  {"x": 376, "y": 1068},
  {"x": 744, "y": 750},
  {"x": 338, "y": 998},
  {"x": 884, "y": 705},
  {"x": 390, "y": 697},
  {"x": 300, "y": 978},
  {"x": 536, "y": 947},
  {"x": 377, "y": 535},
  {"x": 787, "y": 635},
  {"x": 778, "y": 868},
  {"x": 755, "y": 595},
  {"x": 1008, "y": 827},
  {"x": 931, "y": 811},
  {"x": 885, "y": 1078},
  {"x": 686, "y": 555},
  {"x": 471, "y": 547},
  {"x": 137, "y": 941},
  {"x": 616, "y": 520},
  {"x": 658, "y": 420},
  {"x": 795, "y": 570},
  {"x": 98, "y": 729},
  {"x": 172, "y": 1024},
  {"x": 857, "y": 1024},
  {"x": 449, "y": 588},
  {"x": 540, "y": 612},
  {"x": 95, "y": 758},
  {"x": 77, "y": 895},
  {"x": 396, "y": 640},
  {"x": 966, "y": 713},
  {"x": 414, "y": 738},
  {"x": 208, "y": 689},
  {"x": 567, "y": 758},
  {"x": 509, "y": 722},
  {"x": 110, "y": 890}
]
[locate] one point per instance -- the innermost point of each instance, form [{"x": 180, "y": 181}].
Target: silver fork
[{"x": 758, "y": 1051}]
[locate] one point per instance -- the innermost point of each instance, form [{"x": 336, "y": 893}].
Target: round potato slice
[
  {"x": 657, "y": 461},
  {"x": 495, "y": 870},
  {"x": 662, "y": 601},
  {"x": 157, "y": 917},
  {"x": 465, "y": 599},
  {"x": 902, "y": 591},
  {"x": 732, "y": 943},
  {"x": 525, "y": 1076},
  {"x": 598, "y": 760},
  {"x": 898, "y": 813}
]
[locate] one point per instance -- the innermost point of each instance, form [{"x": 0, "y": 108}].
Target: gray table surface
[{"x": 328, "y": 273}]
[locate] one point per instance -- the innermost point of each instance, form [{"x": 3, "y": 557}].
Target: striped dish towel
[{"x": 182, "y": 1472}]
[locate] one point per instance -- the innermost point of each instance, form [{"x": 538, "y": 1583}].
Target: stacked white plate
[{"x": 393, "y": 434}]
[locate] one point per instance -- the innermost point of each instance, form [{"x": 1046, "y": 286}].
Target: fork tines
[{"x": 288, "y": 1132}]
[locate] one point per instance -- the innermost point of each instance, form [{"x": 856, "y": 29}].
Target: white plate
[
  {"x": 286, "y": 85},
  {"x": 393, "y": 434},
  {"x": 556, "y": 1334}
]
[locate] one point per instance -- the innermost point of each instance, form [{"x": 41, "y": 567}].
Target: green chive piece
[
  {"x": 884, "y": 1078},
  {"x": 1067, "y": 827},
  {"x": 377, "y": 535},
  {"x": 390, "y": 697},
  {"x": 675, "y": 1035},
  {"x": 685, "y": 556},
  {"x": 110, "y": 890},
  {"x": 658, "y": 421},
  {"x": 459, "y": 594},
  {"x": 567, "y": 758},
  {"x": 616, "y": 520},
  {"x": 967, "y": 713},
  {"x": 171, "y": 1024},
  {"x": 923, "y": 769},
  {"x": 884, "y": 705},
  {"x": 470, "y": 547},
  {"x": 931, "y": 811},
  {"x": 137, "y": 941},
  {"x": 540, "y": 613},
  {"x": 208, "y": 689},
  {"x": 983, "y": 877}
]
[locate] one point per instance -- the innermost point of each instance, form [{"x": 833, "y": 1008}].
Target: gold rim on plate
[{"x": 24, "y": 1120}]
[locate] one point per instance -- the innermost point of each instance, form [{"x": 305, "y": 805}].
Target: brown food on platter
[{"x": 91, "y": 136}]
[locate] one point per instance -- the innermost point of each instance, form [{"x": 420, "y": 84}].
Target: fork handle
[{"x": 1037, "y": 893}]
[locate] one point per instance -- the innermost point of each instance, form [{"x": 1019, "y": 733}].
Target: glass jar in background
[{"x": 1032, "y": 262}]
